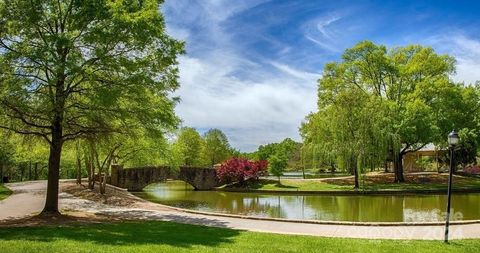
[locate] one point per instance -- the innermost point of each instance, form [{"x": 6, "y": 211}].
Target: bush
[
  {"x": 472, "y": 170},
  {"x": 240, "y": 169}
]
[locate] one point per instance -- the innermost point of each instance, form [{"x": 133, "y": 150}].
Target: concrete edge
[{"x": 321, "y": 222}]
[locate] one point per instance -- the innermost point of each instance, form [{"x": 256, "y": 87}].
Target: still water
[{"x": 395, "y": 208}]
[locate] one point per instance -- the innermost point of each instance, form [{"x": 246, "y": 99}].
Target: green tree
[
  {"x": 217, "y": 148},
  {"x": 277, "y": 165},
  {"x": 189, "y": 147},
  {"x": 288, "y": 148},
  {"x": 76, "y": 69},
  {"x": 405, "y": 87}
]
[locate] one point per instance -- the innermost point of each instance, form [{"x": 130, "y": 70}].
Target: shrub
[
  {"x": 240, "y": 169},
  {"x": 472, "y": 169}
]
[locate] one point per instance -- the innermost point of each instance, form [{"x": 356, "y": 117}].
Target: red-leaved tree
[{"x": 240, "y": 169}]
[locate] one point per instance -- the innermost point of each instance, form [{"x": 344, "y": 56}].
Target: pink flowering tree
[{"x": 238, "y": 170}]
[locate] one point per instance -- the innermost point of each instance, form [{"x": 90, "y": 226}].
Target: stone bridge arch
[{"x": 135, "y": 179}]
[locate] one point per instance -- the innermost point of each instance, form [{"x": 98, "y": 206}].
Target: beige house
[{"x": 412, "y": 161}]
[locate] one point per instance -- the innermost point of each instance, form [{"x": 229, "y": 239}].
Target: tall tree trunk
[
  {"x": 79, "y": 169},
  {"x": 302, "y": 155},
  {"x": 356, "y": 178},
  {"x": 1, "y": 173},
  {"x": 398, "y": 167},
  {"x": 51, "y": 203},
  {"x": 35, "y": 171},
  {"x": 355, "y": 171},
  {"x": 90, "y": 171},
  {"x": 22, "y": 171},
  {"x": 30, "y": 170}
]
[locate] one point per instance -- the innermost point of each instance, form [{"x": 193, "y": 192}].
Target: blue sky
[{"x": 251, "y": 67}]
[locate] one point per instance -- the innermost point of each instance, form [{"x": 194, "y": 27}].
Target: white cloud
[
  {"x": 253, "y": 101},
  {"x": 250, "y": 112},
  {"x": 307, "y": 76},
  {"x": 322, "y": 32},
  {"x": 323, "y": 26},
  {"x": 466, "y": 51}
]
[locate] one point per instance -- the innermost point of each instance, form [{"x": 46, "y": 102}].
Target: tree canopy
[
  {"x": 80, "y": 69},
  {"x": 378, "y": 104},
  {"x": 217, "y": 147},
  {"x": 189, "y": 147}
]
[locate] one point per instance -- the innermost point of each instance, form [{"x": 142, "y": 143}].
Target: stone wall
[
  {"x": 135, "y": 179},
  {"x": 200, "y": 178}
]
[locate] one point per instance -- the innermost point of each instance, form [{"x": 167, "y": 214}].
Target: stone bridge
[{"x": 135, "y": 179}]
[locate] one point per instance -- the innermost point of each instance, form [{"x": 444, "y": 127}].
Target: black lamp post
[{"x": 453, "y": 140}]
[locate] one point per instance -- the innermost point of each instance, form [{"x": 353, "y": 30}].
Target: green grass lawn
[
  {"x": 297, "y": 185},
  {"x": 158, "y": 236},
  {"x": 370, "y": 184},
  {"x": 4, "y": 192}
]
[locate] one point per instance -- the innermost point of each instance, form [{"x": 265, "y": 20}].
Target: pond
[{"x": 394, "y": 208}]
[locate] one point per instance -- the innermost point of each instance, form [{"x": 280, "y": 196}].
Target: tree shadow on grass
[
  {"x": 280, "y": 185},
  {"x": 258, "y": 184},
  {"x": 126, "y": 233}
]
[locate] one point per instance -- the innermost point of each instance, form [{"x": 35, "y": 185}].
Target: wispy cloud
[
  {"x": 323, "y": 26},
  {"x": 252, "y": 112},
  {"x": 254, "y": 101},
  {"x": 326, "y": 32},
  {"x": 466, "y": 51}
]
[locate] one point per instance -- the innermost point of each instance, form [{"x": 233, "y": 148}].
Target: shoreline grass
[
  {"x": 413, "y": 184},
  {"x": 160, "y": 236}
]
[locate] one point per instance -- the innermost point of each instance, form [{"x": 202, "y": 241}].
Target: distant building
[{"x": 412, "y": 161}]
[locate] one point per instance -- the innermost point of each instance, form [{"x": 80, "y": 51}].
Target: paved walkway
[{"x": 28, "y": 198}]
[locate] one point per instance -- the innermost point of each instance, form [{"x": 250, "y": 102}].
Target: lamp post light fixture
[{"x": 453, "y": 140}]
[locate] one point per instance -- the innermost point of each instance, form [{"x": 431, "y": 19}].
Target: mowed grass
[
  {"x": 368, "y": 183},
  {"x": 4, "y": 192},
  {"x": 157, "y": 236},
  {"x": 297, "y": 185}
]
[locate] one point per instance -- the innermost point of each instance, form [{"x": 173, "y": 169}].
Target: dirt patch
[
  {"x": 111, "y": 197},
  {"x": 72, "y": 218}
]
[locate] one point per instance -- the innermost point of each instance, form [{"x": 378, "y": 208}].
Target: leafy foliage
[
  {"x": 189, "y": 147},
  {"x": 217, "y": 149},
  {"x": 238, "y": 170},
  {"x": 287, "y": 148},
  {"x": 277, "y": 165}
]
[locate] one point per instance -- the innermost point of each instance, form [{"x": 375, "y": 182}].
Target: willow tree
[
  {"x": 342, "y": 128},
  {"x": 74, "y": 68},
  {"x": 396, "y": 80}
]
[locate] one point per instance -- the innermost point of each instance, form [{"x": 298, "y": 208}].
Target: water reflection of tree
[
  {"x": 346, "y": 208},
  {"x": 356, "y": 208}
]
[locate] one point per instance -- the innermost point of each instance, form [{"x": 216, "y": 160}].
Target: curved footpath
[{"x": 28, "y": 198}]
